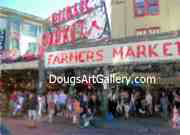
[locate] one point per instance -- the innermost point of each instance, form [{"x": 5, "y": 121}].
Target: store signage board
[
  {"x": 141, "y": 52},
  {"x": 85, "y": 20}
]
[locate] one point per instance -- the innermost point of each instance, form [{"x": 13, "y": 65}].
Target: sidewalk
[{"x": 115, "y": 127}]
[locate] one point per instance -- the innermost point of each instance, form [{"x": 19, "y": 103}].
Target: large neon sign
[
  {"x": 69, "y": 12},
  {"x": 85, "y": 20}
]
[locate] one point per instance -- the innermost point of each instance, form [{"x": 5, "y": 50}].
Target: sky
[{"x": 41, "y": 8}]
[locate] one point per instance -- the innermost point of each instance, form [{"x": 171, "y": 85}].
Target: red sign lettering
[
  {"x": 166, "y": 48},
  {"x": 81, "y": 57},
  {"x": 151, "y": 50},
  {"x": 64, "y": 58},
  {"x": 82, "y": 32},
  {"x": 141, "y": 51},
  {"x": 116, "y": 53},
  {"x": 56, "y": 60},
  {"x": 178, "y": 47},
  {"x": 75, "y": 10},
  {"x": 73, "y": 34},
  {"x": 100, "y": 55},
  {"x": 62, "y": 16},
  {"x": 68, "y": 13},
  {"x": 50, "y": 58},
  {"x": 90, "y": 56},
  {"x": 65, "y": 36},
  {"x": 130, "y": 52}
]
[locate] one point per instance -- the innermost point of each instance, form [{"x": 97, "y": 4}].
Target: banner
[{"x": 138, "y": 52}]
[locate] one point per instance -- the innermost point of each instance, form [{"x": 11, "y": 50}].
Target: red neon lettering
[
  {"x": 82, "y": 30},
  {"x": 73, "y": 56},
  {"x": 99, "y": 55},
  {"x": 58, "y": 36},
  {"x": 141, "y": 51},
  {"x": 75, "y": 10},
  {"x": 68, "y": 13},
  {"x": 90, "y": 56},
  {"x": 65, "y": 36},
  {"x": 62, "y": 32},
  {"x": 178, "y": 47},
  {"x": 54, "y": 18},
  {"x": 152, "y": 52},
  {"x": 84, "y": 6},
  {"x": 45, "y": 39},
  {"x": 116, "y": 52},
  {"x": 62, "y": 15},
  {"x": 81, "y": 57},
  {"x": 130, "y": 52},
  {"x": 50, "y": 58},
  {"x": 53, "y": 38},
  {"x": 73, "y": 34},
  {"x": 95, "y": 25},
  {"x": 166, "y": 47},
  {"x": 64, "y": 58},
  {"x": 56, "y": 60}
]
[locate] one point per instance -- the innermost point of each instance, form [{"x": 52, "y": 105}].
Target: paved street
[{"x": 117, "y": 127}]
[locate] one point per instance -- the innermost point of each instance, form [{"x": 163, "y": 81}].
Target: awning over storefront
[{"x": 19, "y": 65}]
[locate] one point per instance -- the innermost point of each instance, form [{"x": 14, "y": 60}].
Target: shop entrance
[{"x": 19, "y": 80}]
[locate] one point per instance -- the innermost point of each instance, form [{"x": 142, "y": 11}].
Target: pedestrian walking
[
  {"x": 148, "y": 99},
  {"x": 51, "y": 106},
  {"x": 164, "y": 102},
  {"x": 32, "y": 110}
]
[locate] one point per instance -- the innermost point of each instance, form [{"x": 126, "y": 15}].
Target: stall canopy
[{"x": 19, "y": 65}]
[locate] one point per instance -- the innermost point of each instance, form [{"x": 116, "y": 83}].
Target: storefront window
[
  {"x": 146, "y": 7},
  {"x": 32, "y": 48},
  {"x": 30, "y": 29},
  {"x": 14, "y": 27},
  {"x": 3, "y": 23},
  {"x": 14, "y": 44},
  {"x": 14, "y": 35}
]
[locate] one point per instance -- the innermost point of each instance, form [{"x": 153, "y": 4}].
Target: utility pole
[{"x": 42, "y": 79}]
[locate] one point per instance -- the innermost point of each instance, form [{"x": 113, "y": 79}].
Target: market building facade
[
  {"x": 146, "y": 52},
  {"x": 19, "y": 49},
  {"x": 144, "y": 17},
  {"x": 79, "y": 40}
]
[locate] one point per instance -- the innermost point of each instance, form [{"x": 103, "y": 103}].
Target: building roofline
[{"x": 20, "y": 13}]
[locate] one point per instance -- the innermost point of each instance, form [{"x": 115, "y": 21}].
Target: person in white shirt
[
  {"x": 56, "y": 101},
  {"x": 148, "y": 99},
  {"x": 40, "y": 105}
]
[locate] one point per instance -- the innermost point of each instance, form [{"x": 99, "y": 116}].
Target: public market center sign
[{"x": 85, "y": 20}]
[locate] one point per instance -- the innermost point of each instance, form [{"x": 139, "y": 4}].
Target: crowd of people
[
  {"x": 82, "y": 108},
  {"x": 164, "y": 103}
]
